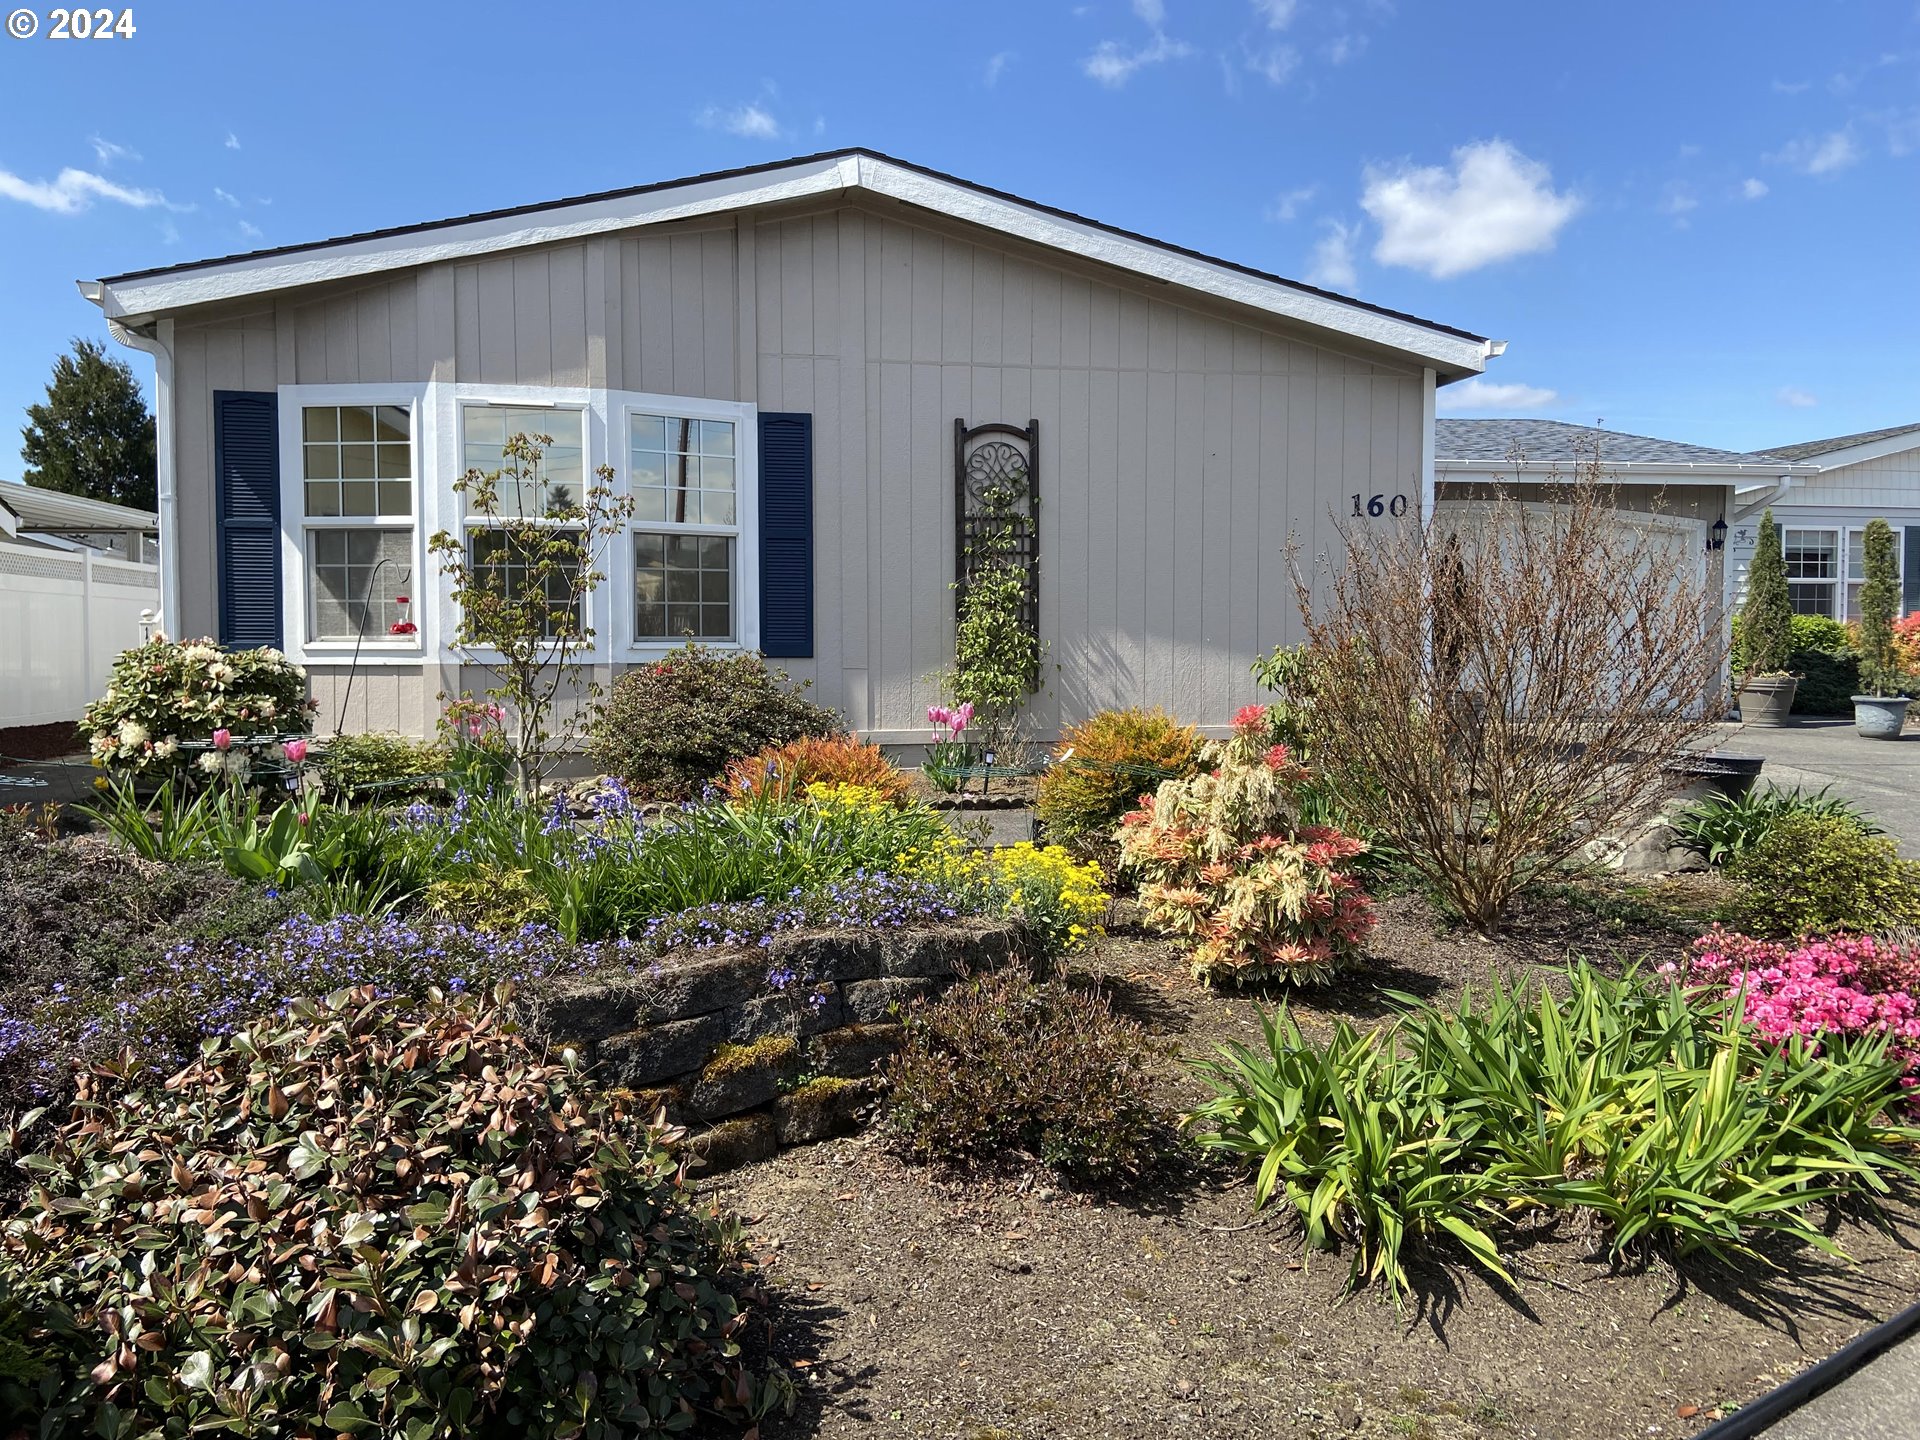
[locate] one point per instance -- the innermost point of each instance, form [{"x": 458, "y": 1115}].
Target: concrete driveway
[{"x": 1881, "y": 776}]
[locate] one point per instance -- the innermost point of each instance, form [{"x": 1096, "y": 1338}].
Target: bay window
[
  {"x": 357, "y": 506},
  {"x": 683, "y": 473}
]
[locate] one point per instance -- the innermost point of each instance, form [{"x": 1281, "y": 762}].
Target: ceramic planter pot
[
  {"x": 1880, "y": 717},
  {"x": 1767, "y": 699},
  {"x": 1725, "y": 773}
]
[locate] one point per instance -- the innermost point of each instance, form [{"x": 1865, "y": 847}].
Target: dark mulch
[
  {"x": 40, "y": 742},
  {"x": 985, "y": 1308}
]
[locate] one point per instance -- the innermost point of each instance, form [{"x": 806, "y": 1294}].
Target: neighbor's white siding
[
  {"x": 1182, "y": 443},
  {"x": 66, "y": 614}
]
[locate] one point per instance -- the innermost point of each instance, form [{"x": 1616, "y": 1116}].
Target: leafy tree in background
[{"x": 93, "y": 436}]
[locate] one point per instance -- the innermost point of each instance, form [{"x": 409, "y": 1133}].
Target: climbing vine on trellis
[{"x": 997, "y": 562}]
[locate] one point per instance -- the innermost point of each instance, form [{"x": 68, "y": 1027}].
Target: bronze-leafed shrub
[
  {"x": 1004, "y": 1066},
  {"x": 374, "y": 1219},
  {"x": 1102, "y": 767},
  {"x": 783, "y": 772}
]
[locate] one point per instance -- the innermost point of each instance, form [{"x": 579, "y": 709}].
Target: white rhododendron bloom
[
  {"x": 132, "y": 734},
  {"x": 213, "y": 762},
  {"x": 168, "y": 748}
]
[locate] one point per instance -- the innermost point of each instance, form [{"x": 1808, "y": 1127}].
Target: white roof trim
[
  {"x": 1873, "y": 450},
  {"x": 1453, "y": 355}
]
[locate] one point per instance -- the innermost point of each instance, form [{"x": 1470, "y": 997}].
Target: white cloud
[
  {"x": 1790, "y": 87},
  {"x": 250, "y": 230},
  {"x": 1343, "y": 48},
  {"x": 997, "y": 66},
  {"x": 73, "y": 191},
  {"x": 1679, "y": 201},
  {"x": 1753, "y": 189},
  {"x": 1819, "y": 154},
  {"x": 106, "y": 151},
  {"x": 1277, "y": 13},
  {"x": 224, "y": 197},
  {"x": 1275, "y": 64},
  {"x": 1151, "y": 12},
  {"x": 1286, "y": 206},
  {"x": 1795, "y": 398},
  {"x": 169, "y": 233},
  {"x": 1332, "y": 267},
  {"x": 750, "y": 121},
  {"x": 1480, "y": 394},
  {"x": 233, "y": 141},
  {"x": 1113, "y": 64},
  {"x": 1493, "y": 204}
]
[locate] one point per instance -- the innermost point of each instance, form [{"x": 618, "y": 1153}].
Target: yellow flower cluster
[
  {"x": 836, "y": 798},
  {"x": 1059, "y": 897}
]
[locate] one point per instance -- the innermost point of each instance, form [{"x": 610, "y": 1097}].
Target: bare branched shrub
[{"x": 1495, "y": 690}]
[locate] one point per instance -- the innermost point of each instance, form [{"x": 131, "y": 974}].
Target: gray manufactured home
[{"x": 788, "y": 367}]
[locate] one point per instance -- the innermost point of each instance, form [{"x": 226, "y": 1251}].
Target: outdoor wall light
[{"x": 1717, "y": 535}]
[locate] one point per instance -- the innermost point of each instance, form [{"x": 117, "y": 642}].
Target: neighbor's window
[
  {"x": 684, "y": 477},
  {"x": 1813, "y": 570},
  {"x": 502, "y": 555},
  {"x": 1857, "y": 566},
  {"x": 357, "y": 502}
]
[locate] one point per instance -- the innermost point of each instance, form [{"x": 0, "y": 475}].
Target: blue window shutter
[
  {"x": 1910, "y": 571},
  {"x": 786, "y": 536},
  {"x": 246, "y": 500}
]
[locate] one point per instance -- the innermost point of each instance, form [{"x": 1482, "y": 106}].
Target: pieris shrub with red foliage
[
  {"x": 1224, "y": 863},
  {"x": 1843, "y": 985}
]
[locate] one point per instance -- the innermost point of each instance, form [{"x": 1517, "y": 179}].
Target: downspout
[
  {"x": 160, "y": 346},
  {"x": 1428, "y": 396},
  {"x": 1780, "y": 488}
]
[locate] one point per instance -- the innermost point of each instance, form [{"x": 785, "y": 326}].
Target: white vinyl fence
[{"x": 65, "y": 615}]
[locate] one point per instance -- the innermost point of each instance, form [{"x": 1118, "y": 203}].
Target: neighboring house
[
  {"x": 77, "y": 582},
  {"x": 1854, "y": 479},
  {"x": 783, "y": 365},
  {"x": 1702, "y": 503}
]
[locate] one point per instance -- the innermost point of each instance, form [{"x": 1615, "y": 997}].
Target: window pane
[
  {"x": 323, "y": 462},
  {"x": 716, "y": 507},
  {"x": 1811, "y": 597},
  {"x": 561, "y": 477},
  {"x": 506, "y": 563},
  {"x": 391, "y": 423},
  {"x": 1812, "y": 554},
  {"x": 650, "y": 505},
  {"x": 716, "y": 437},
  {"x": 356, "y": 422},
  {"x": 683, "y": 586},
  {"x": 648, "y": 432},
  {"x": 353, "y": 577},
  {"x": 395, "y": 462},
  {"x": 396, "y": 498},
  {"x": 323, "y": 498},
  {"x": 357, "y": 497},
  {"x": 716, "y": 474},
  {"x": 321, "y": 422},
  {"x": 356, "y": 462}
]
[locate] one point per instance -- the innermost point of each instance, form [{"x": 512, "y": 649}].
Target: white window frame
[
  {"x": 1849, "y": 586},
  {"x": 1837, "y": 585},
  {"x": 745, "y": 531},
  {"x": 591, "y": 406},
  {"x": 295, "y": 525}
]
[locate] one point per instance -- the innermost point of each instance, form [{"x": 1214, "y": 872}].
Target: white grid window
[
  {"x": 1813, "y": 570},
  {"x": 357, "y": 492},
  {"x": 501, "y": 558},
  {"x": 684, "y": 476},
  {"x": 1857, "y": 566}
]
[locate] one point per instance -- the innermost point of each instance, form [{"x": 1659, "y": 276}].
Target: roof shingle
[
  {"x": 1810, "y": 449},
  {"x": 1557, "y": 442}
]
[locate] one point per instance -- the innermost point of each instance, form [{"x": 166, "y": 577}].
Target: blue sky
[{"x": 1696, "y": 220}]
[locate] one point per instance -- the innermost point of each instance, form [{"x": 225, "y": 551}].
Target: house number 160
[{"x": 1380, "y": 505}]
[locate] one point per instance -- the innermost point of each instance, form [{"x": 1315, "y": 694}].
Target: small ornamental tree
[
  {"x": 522, "y": 583},
  {"x": 1880, "y": 670},
  {"x": 1766, "y": 621}
]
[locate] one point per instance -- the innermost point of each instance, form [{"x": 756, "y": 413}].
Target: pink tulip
[
  {"x": 963, "y": 717},
  {"x": 295, "y": 750},
  {"x": 939, "y": 715},
  {"x": 223, "y": 739}
]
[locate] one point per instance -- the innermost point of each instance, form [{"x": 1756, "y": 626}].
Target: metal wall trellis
[{"x": 996, "y": 508}]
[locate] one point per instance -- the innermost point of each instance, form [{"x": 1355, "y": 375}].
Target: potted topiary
[
  {"x": 1880, "y": 714},
  {"x": 1766, "y": 627}
]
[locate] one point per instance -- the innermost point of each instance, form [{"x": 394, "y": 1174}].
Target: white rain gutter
[
  {"x": 160, "y": 346},
  {"x": 1779, "y": 488}
]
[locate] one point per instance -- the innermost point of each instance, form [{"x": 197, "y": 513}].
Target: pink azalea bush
[
  {"x": 1224, "y": 863},
  {"x": 1841, "y": 985}
]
